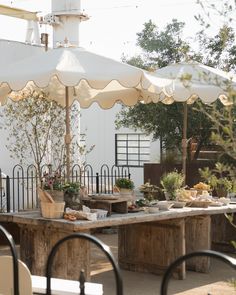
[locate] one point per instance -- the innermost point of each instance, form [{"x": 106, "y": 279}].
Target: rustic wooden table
[{"x": 147, "y": 242}]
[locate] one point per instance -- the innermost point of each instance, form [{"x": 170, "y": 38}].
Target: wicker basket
[
  {"x": 58, "y": 196},
  {"x": 199, "y": 204},
  {"x": 52, "y": 210}
]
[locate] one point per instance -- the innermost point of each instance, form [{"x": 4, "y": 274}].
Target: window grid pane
[{"x": 132, "y": 149}]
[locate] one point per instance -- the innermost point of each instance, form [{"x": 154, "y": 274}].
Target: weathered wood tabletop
[
  {"x": 147, "y": 242},
  {"x": 34, "y": 217}
]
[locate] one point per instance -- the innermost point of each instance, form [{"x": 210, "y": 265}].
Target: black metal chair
[
  {"x": 206, "y": 253},
  {"x": 9, "y": 239},
  {"x": 99, "y": 244}
]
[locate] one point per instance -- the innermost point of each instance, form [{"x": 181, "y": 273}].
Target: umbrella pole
[
  {"x": 184, "y": 141},
  {"x": 67, "y": 136}
]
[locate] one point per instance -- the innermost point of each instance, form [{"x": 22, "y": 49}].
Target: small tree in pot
[{"x": 171, "y": 183}]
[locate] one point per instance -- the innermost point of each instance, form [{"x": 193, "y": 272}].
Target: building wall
[{"x": 99, "y": 126}]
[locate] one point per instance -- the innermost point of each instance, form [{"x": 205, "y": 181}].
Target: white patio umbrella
[
  {"x": 192, "y": 80},
  {"x": 69, "y": 74}
]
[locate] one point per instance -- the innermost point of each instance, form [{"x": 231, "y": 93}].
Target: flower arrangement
[
  {"x": 52, "y": 181},
  {"x": 124, "y": 183}
]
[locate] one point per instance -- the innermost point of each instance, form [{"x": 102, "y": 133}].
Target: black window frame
[{"x": 127, "y": 161}]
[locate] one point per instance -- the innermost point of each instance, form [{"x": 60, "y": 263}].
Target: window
[{"x": 132, "y": 149}]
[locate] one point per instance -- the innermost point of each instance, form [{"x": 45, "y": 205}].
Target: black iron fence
[{"x": 18, "y": 192}]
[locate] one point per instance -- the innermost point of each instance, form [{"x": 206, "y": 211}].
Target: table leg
[
  {"x": 36, "y": 243},
  {"x": 152, "y": 246},
  {"x": 198, "y": 237},
  {"x": 222, "y": 233}
]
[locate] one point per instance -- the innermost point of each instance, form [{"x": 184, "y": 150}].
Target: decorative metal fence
[{"x": 18, "y": 192}]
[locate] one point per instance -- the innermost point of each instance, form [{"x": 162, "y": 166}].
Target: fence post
[
  {"x": 8, "y": 194},
  {"x": 97, "y": 183}
]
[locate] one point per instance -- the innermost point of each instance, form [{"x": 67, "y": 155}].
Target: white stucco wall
[{"x": 99, "y": 126}]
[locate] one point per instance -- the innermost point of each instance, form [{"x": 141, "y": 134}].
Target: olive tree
[{"x": 36, "y": 129}]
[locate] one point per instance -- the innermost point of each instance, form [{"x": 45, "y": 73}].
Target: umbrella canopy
[
  {"x": 87, "y": 75},
  {"x": 69, "y": 74},
  {"x": 192, "y": 80}
]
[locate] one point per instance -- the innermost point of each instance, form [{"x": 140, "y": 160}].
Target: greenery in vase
[
  {"x": 71, "y": 187},
  {"x": 124, "y": 183},
  {"x": 171, "y": 182}
]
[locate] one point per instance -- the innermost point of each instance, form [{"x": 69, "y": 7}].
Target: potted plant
[
  {"x": 171, "y": 183},
  {"x": 125, "y": 185},
  {"x": 71, "y": 195},
  {"x": 218, "y": 179}
]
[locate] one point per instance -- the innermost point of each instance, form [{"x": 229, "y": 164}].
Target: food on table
[
  {"x": 193, "y": 192},
  {"x": 202, "y": 186},
  {"x": 132, "y": 207},
  {"x": 184, "y": 195},
  {"x": 70, "y": 217}
]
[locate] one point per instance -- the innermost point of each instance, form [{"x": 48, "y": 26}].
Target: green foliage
[
  {"x": 218, "y": 178},
  {"x": 219, "y": 49},
  {"x": 163, "y": 47},
  {"x": 171, "y": 182},
  {"x": 166, "y": 122},
  {"x": 223, "y": 133},
  {"x": 32, "y": 122},
  {"x": 36, "y": 128},
  {"x": 124, "y": 183},
  {"x": 71, "y": 187}
]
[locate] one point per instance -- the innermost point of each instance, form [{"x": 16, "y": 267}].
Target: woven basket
[
  {"x": 58, "y": 196},
  {"x": 52, "y": 210},
  {"x": 199, "y": 204}
]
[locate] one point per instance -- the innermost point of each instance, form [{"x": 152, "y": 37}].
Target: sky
[{"x": 113, "y": 25}]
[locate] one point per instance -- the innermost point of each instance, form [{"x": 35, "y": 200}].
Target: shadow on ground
[{"x": 216, "y": 282}]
